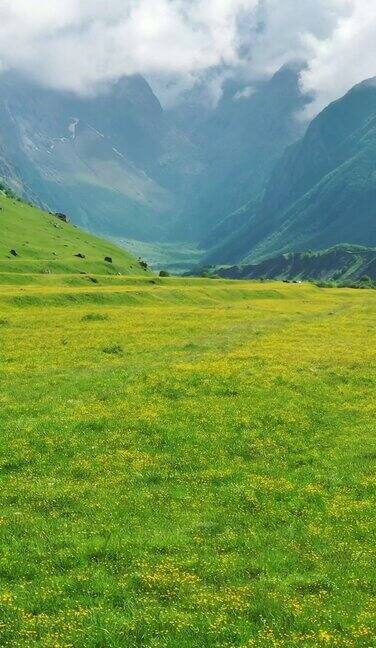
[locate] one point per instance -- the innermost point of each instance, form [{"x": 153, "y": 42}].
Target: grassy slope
[
  {"x": 36, "y": 236},
  {"x": 185, "y": 463}
]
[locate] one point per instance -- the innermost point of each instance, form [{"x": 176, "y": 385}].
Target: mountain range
[
  {"x": 238, "y": 143},
  {"x": 322, "y": 192},
  {"x": 341, "y": 264},
  {"x": 93, "y": 157},
  {"x": 121, "y": 165},
  {"x": 244, "y": 178}
]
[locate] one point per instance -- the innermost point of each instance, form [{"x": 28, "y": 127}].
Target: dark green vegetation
[
  {"x": 185, "y": 463},
  {"x": 343, "y": 264},
  {"x": 37, "y": 242},
  {"x": 322, "y": 192},
  {"x": 6, "y": 191}
]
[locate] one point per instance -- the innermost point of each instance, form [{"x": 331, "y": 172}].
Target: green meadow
[{"x": 185, "y": 463}]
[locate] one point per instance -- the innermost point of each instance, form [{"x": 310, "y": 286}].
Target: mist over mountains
[
  {"x": 322, "y": 192},
  {"x": 122, "y": 165},
  {"x": 243, "y": 179},
  {"x": 97, "y": 158}
]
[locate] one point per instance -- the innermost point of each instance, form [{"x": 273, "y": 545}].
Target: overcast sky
[{"x": 82, "y": 44}]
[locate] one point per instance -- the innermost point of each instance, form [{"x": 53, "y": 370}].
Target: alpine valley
[
  {"x": 233, "y": 183},
  {"x": 121, "y": 165},
  {"x": 187, "y": 355},
  {"x": 321, "y": 193}
]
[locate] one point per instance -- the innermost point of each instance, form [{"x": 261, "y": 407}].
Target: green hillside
[
  {"x": 322, "y": 192},
  {"x": 44, "y": 244},
  {"x": 341, "y": 264}
]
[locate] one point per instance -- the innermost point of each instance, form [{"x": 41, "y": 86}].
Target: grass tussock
[
  {"x": 95, "y": 317},
  {"x": 114, "y": 349}
]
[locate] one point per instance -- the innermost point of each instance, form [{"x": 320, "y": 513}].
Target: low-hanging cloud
[
  {"x": 345, "y": 58},
  {"x": 81, "y": 45}
]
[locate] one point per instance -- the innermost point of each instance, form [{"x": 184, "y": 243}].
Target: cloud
[
  {"x": 345, "y": 58},
  {"x": 80, "y": 45}
]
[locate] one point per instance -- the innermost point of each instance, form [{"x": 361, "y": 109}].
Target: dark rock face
[
  {"x": 62, "y": 217},
  {"x": 143, "y": 264},
  {"x": 342, "y": 264}
]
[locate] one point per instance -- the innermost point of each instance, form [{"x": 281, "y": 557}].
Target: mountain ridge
[
  {"x": 342, "y": 264},
  {"x": 317, "y": 188},
  {"x": 122, "y": 165}
]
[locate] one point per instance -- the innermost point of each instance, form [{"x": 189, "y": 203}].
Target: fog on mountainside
[
  {"x": 121, "y": 165},
  {"x": 93, "y": 157},
  {"x": 237, "y": 179}
]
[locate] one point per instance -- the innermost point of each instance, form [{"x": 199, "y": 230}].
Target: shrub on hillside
[{"x": 8, "y": 192}]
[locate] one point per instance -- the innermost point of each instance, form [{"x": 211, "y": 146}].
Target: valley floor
[
  {"x": 176, "y": 258},
  {"x": 185, "y": 463}
]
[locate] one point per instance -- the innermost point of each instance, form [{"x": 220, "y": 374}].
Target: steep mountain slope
[
  {"x": 10, "y": 178},
  {"x": 323, "y": 190},
  {"x": 238, "y": 142},
  {"x": 121, "y": 165},
  {"x": 343, "y": 263},
  {"x": 34, "y": 241},
  {"x": 99, "y": 158}
]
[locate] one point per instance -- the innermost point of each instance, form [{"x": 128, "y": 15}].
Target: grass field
[{"x": 185, "y": 463}]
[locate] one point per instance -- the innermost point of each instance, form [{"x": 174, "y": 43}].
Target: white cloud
[
  {"x": 81, "y": 44},
  {"x": 347, "y": 57},
  {"x": 76, "y": 44}
]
